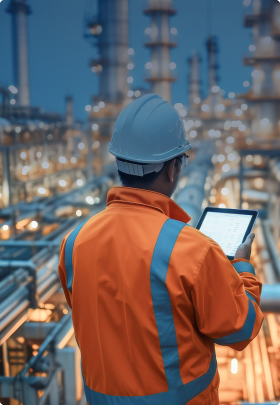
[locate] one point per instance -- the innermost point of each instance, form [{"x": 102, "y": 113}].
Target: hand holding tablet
[{"x": 228, "y": 227}]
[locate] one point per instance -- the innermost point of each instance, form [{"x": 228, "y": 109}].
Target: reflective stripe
[
  {"x": 161, "y": 301},
  {"x": 175, "y": 397},
  {"x": 69, "y": 246},
  {"x": 251, "y": 297},
  {"x": 243, "y": 334},
  {"x": 244, "y": 267}
]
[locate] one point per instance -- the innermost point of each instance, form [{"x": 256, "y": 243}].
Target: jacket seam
[{"x": 206, "y": 253}]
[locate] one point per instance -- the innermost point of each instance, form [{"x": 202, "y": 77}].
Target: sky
[{"x": 59, "y": 54}]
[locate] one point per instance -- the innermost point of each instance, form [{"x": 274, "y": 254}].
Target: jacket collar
[{"x": 148, "y": 198}]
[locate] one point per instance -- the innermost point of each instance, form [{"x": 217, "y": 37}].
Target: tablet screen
[{"x": 227, "y": 230}]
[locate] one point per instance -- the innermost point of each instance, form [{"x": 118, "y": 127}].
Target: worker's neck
[{"x": 157, "y": 188}]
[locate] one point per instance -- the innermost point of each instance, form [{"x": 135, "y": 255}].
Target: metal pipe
[
  {"x": 270, "y": 298},
  {"x": 28, "y": 243}
]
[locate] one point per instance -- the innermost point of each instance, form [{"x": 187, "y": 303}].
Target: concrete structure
[
  {"x": 19, "y": 10},
  {"x": 159, "y": 68}
]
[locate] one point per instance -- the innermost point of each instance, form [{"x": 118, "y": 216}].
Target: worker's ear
[{"x": 171, "y": 170}]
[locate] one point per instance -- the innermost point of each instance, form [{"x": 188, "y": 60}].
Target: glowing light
[
  {"x": 97, "y": 200},
  {"x": 231, "y": 157},
  {"x": 257, "y": 160},
  {"x": 130, "y": 51},
  {"x": 172, "y": 65},
  {"x": 49, "y": 137},
  {"x": 197, "y": 123},
  {"x": 249, "y": 158},
  {"x": 266, "y": 40},
  {"x": 221, "y": 158},
  {"x": 39, "y": 154},
  {"x": 222, "y": 206},
  {"x": 193, "y": 134},
  {"x": 255, "y": 73},
  {"x": 212, "y": 199},
  {"x": 190, "y": 123},
  {"x": 246, "y": 83},
  {"x": 95, "y": 145},
  {"x": 41, "y": 125},
  {"x": 88, "y": 108},
  {"x": 197, "y": 100},
  {"x": 89, "y": 200},
  {"x": 130, "y": 66},
  {"x": 80, "y": 182},
  {"x": 148, "y": 31},
  {"x": 249, "y": 141},
  {"x": 12, "y": 101},
  {"x": 234, "y": 366},
  {"x": 13, "y": 89},
  {"x": 224, "y": 191},
  {"x": 130, "y": 79},
  {"x": 81, "y": 146},
  {"x": 215, "y": 89},
  {"x": 130, "y": 93},
  {"x": 42, "y": 190},
  {"x": 34, "y": 224},
  {"x": 79, "y": 213},
  {"x": 137, "y": 93},
  {"x": 244, "y": 107},
  {"x": 62, "y": 159},
  {"x": 96, "y": 108},
  {"x": 173, "y": 31},
  {"x": 225, "y": 168},
  {"x": 65, "y": 311},
  {"x": 230, "y": 139},
  {"x": 218, "y": 134},
  {"x": 212, "y": 132},
  {"x": 227, "y": 125},
  {"x": 238, "y": 112},
  {"x": 5, "y": 228},
  {"x": 18, "y": 129},
  {"x": 149, "y": 65},
  {"x": 101, "y": 104},
  {"x": 178, "y": 106},
  {"x": 231, "y": 94},
  {"x": 25, "y": 170},
  {"x": 182, "y": 112},
  {"x": 95, "y": 127},
  {"x": 252, "y": 48},
  {"x": 265, "y": 122},
  {"x": 73, "y": 160},
  {"x": 221, "y": 107},
  {"x": 62, "y": 183},
  {"x": 205, "y": 107},
  {"x": 45, "y": 165},
  {"x": 23, "y": 155}
]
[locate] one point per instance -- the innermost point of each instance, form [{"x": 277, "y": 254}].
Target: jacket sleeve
[
  {"x": 226, "y": 297},
  {"x": 62, "y": 273}
]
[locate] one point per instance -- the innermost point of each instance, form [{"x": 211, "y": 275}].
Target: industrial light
[
  {"x": 41, "y": 125},
  {"x": 101, "y": 104},
  {"x": 224, "y": 191},
  {"x": 130, "y": 93},
  {"x": 255, "y": 73},
  {"x": 197, "y": 100},
  {"x": 249, "y": 158},
  {"x": 244, "y": 107},
  {"x": 130, "y": 79},
  {"x": 225, "y": 168},
  {"x": 207, "y": 186},
  {"x": 23, "y": 155},
  {"x": 218, "y": 134},
  {"x": 249, "y": 141},
  {"x": 13, "y": 89},
  {"x": 79, "y": 213},
  {"x": 228, "y": 149},
  {"x": 211, "y": 132},
  {"x": 130, "y": 66},
  {"x": 12, "y": 101},
  {"x": 95, "y": 127},
  {"x": 173, "y": 31},
  {"x": 42, "y": 190},
  {"x": 34, "y": 224},
  {"x": 89, "y": 200},
  {"x": 149, "y": 65},
  {"x": 49, "y": 137},
  {"x": 97, "y": 200},
  {"x": 257, "y": 160},
  {"x": 246, "y": 83},
  {"x": 197, "y": 123},
  {"x": 73, "y": 160},
  {"x": 18, "y": 129},
  {"x": 266, "y": 40},
  {"x": 88, "y": 108},
  {"x": 190, "y": 123},
  {"x": 80, "y": 182},
  {"x": 39, "y": 154},
  {"x": 25, "y": 170},
  {"x": 178, "y": 106},
  {"x": 62, "y": 159},
  {"x": 212, "y": 199},
  {"x": 242, "y": 127},
  {"x": 215, "y": 89},
  {"x": 231, "y": 94},
  {"x": 172, "y": 65},
  {"x": 230, "y": 139},
  {"x": 62, "y": 183},
  {"x": 227, "y": 125},
  {"x": 182, "y": 112},
  {"x": 238, "y": 112},
  {"x": 245, "y": 205},
  {"x": 45, "y": 165},
  {"x": 231, "y": 157},
  {"x": 259, "y": 182},
  {"x": 222, "y": 206},
  {"x": 65, "y": 311},
  {"x": 137, "y": 93},
  {"x": 193, "y": 134},
  {"x": 221, "y": 107},
  {"x": 234, "y": 366},
  {"x": 5, "y": 228},
  {"x": 130, "y": 51},
  {"x": 265, "y": 122},
  {"x": 205, "y": 107},
  {"x": 148, "y": 31},
  {"x": 252, "y": 48},
  {"x": 95, "y": 145},
  {"x": 96, "y": 108},
  {"x": 221, "y": 158},
  {"x": 217, "y": 177},
  {"x": 81, "y": 146}
]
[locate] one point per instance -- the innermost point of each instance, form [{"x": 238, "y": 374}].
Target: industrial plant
[{"x": 55, "y": 173}]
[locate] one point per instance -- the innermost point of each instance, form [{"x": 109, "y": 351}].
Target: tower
[
  {"x": 194, "y": 83},
  {"x": 19, "y": 10},
  {"x": 159, "y": 69},
  {"x": 265, "y": 60},
  {"x": 212, "y": 50}
]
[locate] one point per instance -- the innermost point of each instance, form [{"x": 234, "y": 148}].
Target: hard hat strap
[{"x": 136, "y": 169}]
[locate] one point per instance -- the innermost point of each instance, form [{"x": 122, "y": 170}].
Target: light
[
  {"x": 217, "y": 177},
  {"x": 130, "y": 66},
  {"x": 25, "y": 170},
  {"x": 259, "y": 183},
  {"x": 95, "y": 145},
  {"x": 62, "y": 183},
  {"x": 5, "y": 228},
  {"x": 130, "y": 51},
  {"x": 255, "y": 73},
  {"x": 244, "y": 107},
  {"x": 79, "y": 213},
  {"x": 214, "y": 159},
  {"x": 225, "y": 168},
  {"x": 97, "y": 200},
  {"x": 73, "y": 160},
  {"x": 13, "y": 89},
  {"x": 62, "y": 159},
  {"x": 221, "y": 107},
  {"x": 234, "y": 362},
  {"x": 246, "y": 83},
  {"x": 215, "y": 89},
  {"x": 65, "y": 311},
  {"x": 178, "y": 106},
  {"x": 130, "y": 79},
  {"x": 18, "y": 129},
  {"x": 96, "y": 108},
  {"x": 221, "y": 158},
  {"x": 193, "y": 134},
  {"x": 213, "y": 191},
  {"x": 81, "y": 146},
  {"x": 245, "y": 205},
  {"x": 182, "y": 112},
  {"x": 238, "y": 112},
  {"x": 190, "y": 123},
  {"x": 230, "y": 139},
  {"x": 197, "y": 123},
  {"x": 101, "y": 104},
  {"x": 45, "y": 165},
  {"x": 212, "y": 199},
  {"x": 222, "y": 206},
  {"x": 231, "y": 94},
  {"x": 252, "y": 48},
  {"x": 265, "y": 122},
  {"x": 197, "y": 100},
  {"x": 257, "y": 160},
  {"x": 173, "y": 31},
  {"x": 80, "y": 182},
  {"x": 12, "y": 101},
  {"x": 227, "y": 125},
  {"x": 95, "y": 127},
  {"x": 39, "y": 154},
  {"x": 49, "y": 137},
  {"x": 224, "y": 191},
  {"x": 42, "y": 190},
  {"x": 266, "y": 40},
  {"x": 89, "y": 200},
  {"x": 212, "y": 132},
  {"x": 137, "y": 93},
  {"x": 249, "y": 141},
  {"x": 249, "y": 158},
  {"x": 41, "y": 125},
  {"x": 148, "y": 31},
  {"x": 242, "y": 127},
  {"x": 35, "y": 347},
  {"x": 231, "y": 157},
  {"x": 172, "y": 65},
  {"x": 218, "y": 134},
  {"x": 88, "y": 108},
  {"x": 130, "y": 93},
  {"x": 34, "y": 224},
  {"x": 149, "y": 65},
  {"x": 23, "y": 155},
  {"x": 205, "y": 107}
]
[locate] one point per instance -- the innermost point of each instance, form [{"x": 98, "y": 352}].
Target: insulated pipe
[{"x": 270, "y": 298}]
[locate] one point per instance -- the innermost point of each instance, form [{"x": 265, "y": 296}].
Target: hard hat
[{"x": 149, "y": 131}]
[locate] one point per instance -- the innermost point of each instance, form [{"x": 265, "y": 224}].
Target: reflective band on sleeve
[
  {"x": 244, "y": 267},
  {"x": 243, "y": 334},
  {"x": 251, "y": 297},
  {"x": 69, "y": 246}
]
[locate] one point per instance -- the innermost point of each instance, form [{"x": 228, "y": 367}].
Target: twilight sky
[{"x": 59, "y": 55}]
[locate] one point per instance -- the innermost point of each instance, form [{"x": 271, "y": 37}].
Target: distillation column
[
  {"x": 194, "y": 95},
  {"x": 160, "y": 43},
  {"x": 212, "y": 50},
  {"x": 265, "y": 59},
  {"x": 19, "y": 10}
]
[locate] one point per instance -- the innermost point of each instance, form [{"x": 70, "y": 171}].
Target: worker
[{"x": 149, "y": 294}]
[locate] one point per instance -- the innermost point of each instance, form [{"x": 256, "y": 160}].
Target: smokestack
[
  {"x": 69, "y": 110},
  {"x": 212, "y": 50},
  {"x": 194, "y": 82}
]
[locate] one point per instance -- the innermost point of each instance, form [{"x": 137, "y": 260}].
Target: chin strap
[{"x": 136, "y": 169}]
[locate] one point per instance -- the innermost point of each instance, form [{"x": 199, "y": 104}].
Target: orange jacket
[{"x": 149, "y": 296}]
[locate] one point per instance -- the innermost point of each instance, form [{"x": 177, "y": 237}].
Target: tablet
[{"x": 228, "y": 227}]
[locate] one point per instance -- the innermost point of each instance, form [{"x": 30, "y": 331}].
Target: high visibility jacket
[{"x": 150, "y": 296}]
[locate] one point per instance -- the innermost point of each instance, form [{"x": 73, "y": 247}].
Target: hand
[{"x": 244, "y": 250}]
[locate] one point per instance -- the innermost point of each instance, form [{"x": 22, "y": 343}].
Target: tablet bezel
[{"x": 251, "y": 225}]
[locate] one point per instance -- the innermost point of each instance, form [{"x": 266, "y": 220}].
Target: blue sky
[{"x": 59, "y": 54}]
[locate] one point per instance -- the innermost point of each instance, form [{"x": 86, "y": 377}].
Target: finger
[{"x": 250, "y": 238}]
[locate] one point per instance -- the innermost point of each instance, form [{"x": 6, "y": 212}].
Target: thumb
[{"x": 250, "y": 238}]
